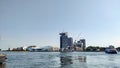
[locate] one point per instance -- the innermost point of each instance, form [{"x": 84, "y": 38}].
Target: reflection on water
[
  {"x": 61, "y": 60},
  {"x": 3, "y": 65},
  {"x": 68, "y": 61}
]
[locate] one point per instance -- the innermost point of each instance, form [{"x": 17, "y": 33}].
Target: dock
[{"x": 3, "y": 57}]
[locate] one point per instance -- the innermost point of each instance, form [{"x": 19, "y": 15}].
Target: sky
[{"x": 39, "y": 22}]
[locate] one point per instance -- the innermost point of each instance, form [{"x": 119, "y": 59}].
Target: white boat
[{"x": 111, "y": 50}]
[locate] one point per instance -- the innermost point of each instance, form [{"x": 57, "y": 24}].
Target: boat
[
  {"x": 111, "y": 50},
  {"x": 3, "y": 57}
]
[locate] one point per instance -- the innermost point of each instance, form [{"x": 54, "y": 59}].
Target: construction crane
[{"x": 77, "y": 37}]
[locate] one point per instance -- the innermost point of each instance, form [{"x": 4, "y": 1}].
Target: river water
[{"x": 61, "y": 60}]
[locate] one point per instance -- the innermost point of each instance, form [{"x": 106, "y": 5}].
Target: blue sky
[{"x": 39, "y": 22}]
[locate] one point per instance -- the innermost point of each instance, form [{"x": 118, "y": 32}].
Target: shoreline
[{"x": 49, "y": 51}]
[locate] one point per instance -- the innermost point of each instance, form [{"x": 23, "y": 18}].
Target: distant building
[
  {"x": 67, "y": 43},
  {"x": 83, "y": 41},
  {"x": 55, "y": 49},
  {"x": 18, "y": 49},
  {"x": 8, "y": 49},
  {"x": 63, "y": 40},
  {"x": 81, "y": 44},
  {"x": 29, "y": 48},
  {"x": 70, "y": 41},
  {"x": 79, "y": 49},
  {"x": 44, "y": 49}
]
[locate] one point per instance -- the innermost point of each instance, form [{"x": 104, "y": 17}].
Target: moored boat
[{"x": 111, "y": 50}]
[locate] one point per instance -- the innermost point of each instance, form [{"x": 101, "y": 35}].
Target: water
[{"x": 61, "y": 60}]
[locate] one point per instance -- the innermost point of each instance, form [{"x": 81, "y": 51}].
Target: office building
[
  {"x": 63, "y": 40},
  {"x": 70, "y": 41},
  {"x": 67, "y": 43},
  {"x": 79, "y": 44},
  {"x": 83, "y": 41}
]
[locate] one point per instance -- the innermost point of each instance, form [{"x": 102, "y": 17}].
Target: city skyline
[{"x": 39, "y": 22}]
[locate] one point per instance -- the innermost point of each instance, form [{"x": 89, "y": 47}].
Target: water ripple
[{"x": 61, "y": 60}]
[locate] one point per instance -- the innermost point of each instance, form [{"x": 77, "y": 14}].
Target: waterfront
[{"x": 61, "y": 60}]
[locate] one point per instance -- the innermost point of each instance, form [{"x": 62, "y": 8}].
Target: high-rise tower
[
  {"x": 63, "y": 40},
  {"x": 70, "y": 41},
  {"x": 84, "y": 43}
]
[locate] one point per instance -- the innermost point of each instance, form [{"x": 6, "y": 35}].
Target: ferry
[{"x": 111, "y": 50}]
